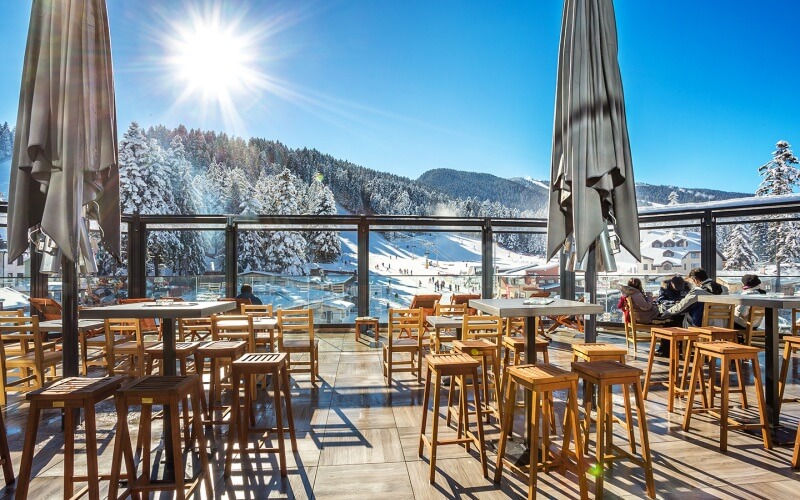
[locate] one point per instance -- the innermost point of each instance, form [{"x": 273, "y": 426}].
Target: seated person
[
  {"x": 750, "y": 286},
  {"x": 672, "y": 291},
  {"x": 643, "y": 304},
  {"x": 688, "y": 305},
  {"x": 247, "y": 293}
]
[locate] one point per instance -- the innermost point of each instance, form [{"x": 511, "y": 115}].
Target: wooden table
[
  {"x": 771, "y": 304},
  {"x": 368, "y": 321},
  {"x": 167, "y": 313},
  {"x": 55, "y": 325},
  {"x": 260, "y": 323},
  {"x": 517, "y": 308}
]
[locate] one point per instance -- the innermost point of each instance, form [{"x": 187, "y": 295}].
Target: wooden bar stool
[
  {"x": 792, "y": 345},
  {"x": 796, "y": 454},
  {"x": 727, "y": 352},
  {"x": 514, "y": 350},
  {"x": 542, "y": 380},
  {"x": 366, "y": 322},
  {"x": 248, "y": 366},
  {"x": 713, "y": 334},
  {"x": 221, "y": 354},
  {"x": 166, "y": 391},
  {"x": 486, "y": 354},
  {"x": 604, "y": 375},
  {"x": 676, "y": 378},
  {"x": 452, "y": 365},
  {"x": 68, "y": 394},
  {"x": 5, "y": 455}
]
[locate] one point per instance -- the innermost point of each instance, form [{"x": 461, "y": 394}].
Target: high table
[
  {"x": 771, "y": 304},
  {"x": 517, "y": 308},
  {"x": 167, "y": 313}
]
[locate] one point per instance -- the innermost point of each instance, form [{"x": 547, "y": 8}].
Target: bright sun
[{"x": 213, "y": 60}]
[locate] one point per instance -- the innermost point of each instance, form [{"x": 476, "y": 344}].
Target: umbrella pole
[
  {"x": 590, "y": 287},
  {"x": 69, "y": 319}
]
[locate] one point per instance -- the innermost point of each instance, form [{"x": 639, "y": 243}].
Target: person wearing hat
[{"x": 750, "y": 286}]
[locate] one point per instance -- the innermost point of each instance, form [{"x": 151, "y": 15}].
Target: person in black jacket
[
  {"x": 247, "y": 293},
  {"x": 688, "y": 305}
]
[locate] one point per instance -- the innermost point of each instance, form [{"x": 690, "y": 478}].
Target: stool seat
[
  {"x": 257, "y": 362},
  {"x": 475, "y": 347},
  {"x": 452, "y": 364},
  {"x": 674, "y": 333},
  {"x": 514, "y": 342},
  {"x": 541, "y": 373},
  {"x": 220, "y": 348},
  {"x": 709, "y": 333},
  {"x": 725, "y": 347},
  {"x": 159, "y": 387},
  {"x": 606, "y": 370},
  {"x": 301, "y": 345},
  {"x": 181, "y": 349},
  {"x": 594, "y": 349},
  {"x": 403, "y": 345},
  {"x": 72, "y": 392}
]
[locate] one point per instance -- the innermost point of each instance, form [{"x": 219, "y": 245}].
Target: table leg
[
  {"x": 531, "y": 327},
  {"x": 771, "y": 364},
  {"x": 168, "y": 337}
]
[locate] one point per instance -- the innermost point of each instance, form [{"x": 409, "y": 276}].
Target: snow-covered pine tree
[
  {"x": 286, "y": 251},
  {"x": 779, "y": 239},
  {"x": 6, "y": 141},
  {"x": 192, "y": 258},
  {"x": 324, "y": 246},
  {"x": 252, "y": 243},
  {"x": 673, "y": 198},
  {"x": 739, "y": 253}
]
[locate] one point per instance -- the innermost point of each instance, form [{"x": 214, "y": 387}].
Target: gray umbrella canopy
[
  {"x": 591, "y": 173},
  {"x": 64, "y": 164}
]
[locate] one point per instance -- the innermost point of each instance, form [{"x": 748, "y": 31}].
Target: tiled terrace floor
[{"x": 358, "y": 438}]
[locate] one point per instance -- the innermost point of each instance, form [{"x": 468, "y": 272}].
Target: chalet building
[{"x": 668, "y": 252}]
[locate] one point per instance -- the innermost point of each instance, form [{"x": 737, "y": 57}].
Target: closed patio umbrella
[
  {"x": 64, "y": 164},
  {"x": 592, "y": 183}
]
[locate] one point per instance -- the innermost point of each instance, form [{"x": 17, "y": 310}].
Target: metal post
[
  {"x": 708, "y": 244},
  {"x": 69, "y": 317},
  {"x": 363, "y": 267},
  {"x": 231, "y": 257},
  {"x": 590, "y": 288},
  {"x": 137, "y": 257},
  {"x": 39, "y": 281},
  {"x": 566, "y": 278},
  {"x": 487, "y": 260}
]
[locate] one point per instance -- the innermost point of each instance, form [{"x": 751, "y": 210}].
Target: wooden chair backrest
[
  {"x": 129, "y": 327},
  {"x": 464, "y": 298},
  {"x": 221, "y": 329},
  {"x": 23, "y": 330},
  {"x": 755, "y": 315},
  {"x": 257, "y": 309},
  {"x": 450, "y": 309},
  {"x": 296, "y": 322},
  {"x": 404, "y": 320},
  {"x": 48, "y": 308},
  {"x": 426, "y": 302},
  {"x": 721, "y": 314},
  {"x": 483, "y": 328},
  {"x": 515, "y": 326},
  {"x": 538, "y": 293},
  {"x": 194, "y": 328},
  {"x": 12, "y": 313}
]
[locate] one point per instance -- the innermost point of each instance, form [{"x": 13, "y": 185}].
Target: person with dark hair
[
  {"x": 643, "y": 305},
  {"x": 750, "y": 286},
  {"x": 247, "y": 293},
  {"x": 688, "y": 305},
  {"x": 672, "y": 291}
]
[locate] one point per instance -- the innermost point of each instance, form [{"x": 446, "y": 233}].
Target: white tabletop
[
  {"x": 445, "y": 321},
  {"x": 778, "y": 301},
  {"x": 509, "y": 308},
  {"x": 258, "y": 323},
  {"x": 156, "y": 310}
]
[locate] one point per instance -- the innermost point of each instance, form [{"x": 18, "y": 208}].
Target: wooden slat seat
[
  {"x": 598, "y": 352},
  {"x": 791, "y": 345},
  {"x": 712, "y": 333}
]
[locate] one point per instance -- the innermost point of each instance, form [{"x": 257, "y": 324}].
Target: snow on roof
[
  {"x": 674, "y": 254},
  {"x": 340, "y": 304}
]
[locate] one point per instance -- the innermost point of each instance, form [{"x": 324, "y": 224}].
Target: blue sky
[{"x": 407, "y": 86}]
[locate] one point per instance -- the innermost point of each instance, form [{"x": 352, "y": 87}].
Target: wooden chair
[
  {"x": 233, "y": 327},
  {"x": 299, "y": 323},
  {"x": 755, "y": 316},
  {"x": 148, "y": 326},
  {"x": 28, "y": 357},
  {"x": 131, "y": 352},
  {"x": 403, "y": 320},
  {"x": 265, "y": 340},
  {"x": 718, "y": 315},
  {"x": 440, "y": 335},
  {"x": 46, "y": 308},
  {"x": 426, "y": 303},
  {"x": 482, "y": 339},
  {"x": 633, "y": 329}
]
